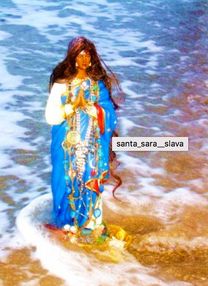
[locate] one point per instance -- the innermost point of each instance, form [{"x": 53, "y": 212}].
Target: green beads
[
  {"x": 66, "y": 177},
  {"x": 101, "y": 238},
  {"x": 95, "y": 87},
  {"x": 86, "y": 231},
  {"x": 73, "y": 213}
]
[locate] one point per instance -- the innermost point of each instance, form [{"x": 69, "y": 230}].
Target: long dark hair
[{"x": 98, "y": 70}]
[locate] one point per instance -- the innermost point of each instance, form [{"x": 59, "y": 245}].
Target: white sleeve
[{"x": 54, "y": 112}]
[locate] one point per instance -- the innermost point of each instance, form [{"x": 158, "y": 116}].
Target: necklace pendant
[{"x": 73, "y": 137}]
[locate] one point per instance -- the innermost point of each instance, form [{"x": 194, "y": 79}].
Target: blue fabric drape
[{"x": 63, "y": 212}]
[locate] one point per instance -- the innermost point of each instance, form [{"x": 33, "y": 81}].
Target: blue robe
[{"x": 79, "y": 208}]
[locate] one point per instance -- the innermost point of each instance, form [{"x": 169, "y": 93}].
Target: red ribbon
[{"x": 100, "y": 117}]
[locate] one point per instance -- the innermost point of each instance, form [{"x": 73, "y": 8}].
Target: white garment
[{"x": 54, "y": 112}]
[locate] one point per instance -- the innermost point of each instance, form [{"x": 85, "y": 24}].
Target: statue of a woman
[{"x": 81, "y": 110}]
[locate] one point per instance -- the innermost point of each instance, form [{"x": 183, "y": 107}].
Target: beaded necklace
[{"x": 74, "y": 146}]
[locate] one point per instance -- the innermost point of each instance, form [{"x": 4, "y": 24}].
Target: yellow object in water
[{"x": 119, "y": 233}]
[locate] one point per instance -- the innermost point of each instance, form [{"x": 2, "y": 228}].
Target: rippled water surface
[{"x": 158, "y": 49}]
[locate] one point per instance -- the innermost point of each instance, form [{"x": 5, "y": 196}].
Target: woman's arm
[{"x": 54, "y": 112}]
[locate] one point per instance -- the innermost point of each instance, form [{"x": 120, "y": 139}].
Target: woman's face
[{"x": 83, "y": 60}]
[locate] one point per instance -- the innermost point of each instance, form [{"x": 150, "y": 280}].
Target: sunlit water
[{"x": 159, "y": 51}]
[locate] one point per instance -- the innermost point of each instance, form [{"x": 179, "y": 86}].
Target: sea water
[{"x": 158, "y": 49}]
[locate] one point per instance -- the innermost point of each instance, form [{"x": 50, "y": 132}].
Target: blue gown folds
[{"x": 80, "y": 168}]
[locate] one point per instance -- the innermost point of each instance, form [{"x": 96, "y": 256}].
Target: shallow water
[{"x": 159, "y": 51}]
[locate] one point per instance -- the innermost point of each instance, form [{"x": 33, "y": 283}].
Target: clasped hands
[{"x": 82, "y": 103}]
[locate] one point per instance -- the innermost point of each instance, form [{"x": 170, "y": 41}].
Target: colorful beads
[
  {"x": 95, "y": 87},
  {"x": 78, "y": 156},
  {"x": 97, "y": 213},
  {"x": 66, "y": 177},
  {"x": 100, "y": 164},
  {"x": 73, "y": 213},
  {"x": 86, "y": 231},
  {"x": 93, "y": 172},
  {"x": 69, "y": 190}
]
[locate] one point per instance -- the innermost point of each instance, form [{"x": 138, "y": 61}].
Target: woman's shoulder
[
  {"x": 60, "y": 84},
  {"x": 61, "y": 81},
  {"x": 58, "y": 87}
]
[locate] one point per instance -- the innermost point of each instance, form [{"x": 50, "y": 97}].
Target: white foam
[
  {"x": 4, "y": 35},
  {"x": 204, "y": 147},
  {"x": 5, "y": 161},
  {"x": 7, "y": 80},
  {"x": 151, "y": 201},
  {"x": 3, "y": 218},
  {"x": 126, "y": 124},
  {"x": 30, "y": 12},
  {"x": 122, "y": 61},
  {"x": 76, "y": 268},
  {"x": 184, "y": 196},
  {"x": 32, "y": 282},
  {"x": 138, "y": 166},
  {"x": 161, "y": 204},
  {"x": 11, "y": 130},
  {"x": 126, "y": 87}
]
